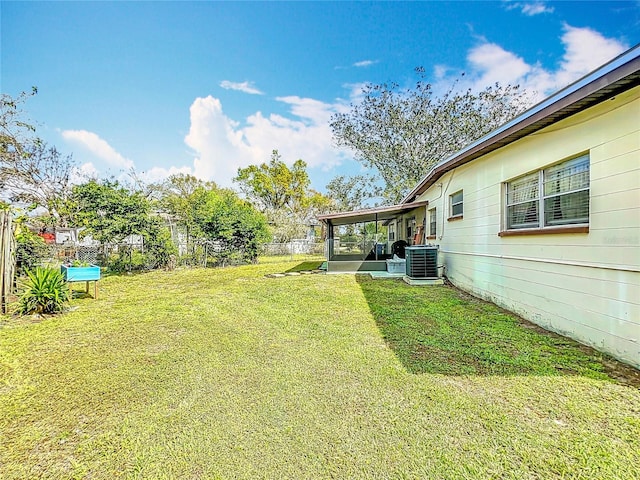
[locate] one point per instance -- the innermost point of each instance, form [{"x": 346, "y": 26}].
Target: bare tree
[
  {"x": 41, "y": 177},
  {"x": 15, "y": 131},
  {"x": 353, "y": 193},
  {"x": 402, "y": 134},
  {"x": 31, "y": 172}
]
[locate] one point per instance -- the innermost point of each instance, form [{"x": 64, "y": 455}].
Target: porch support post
[{"x": 375, "y": 244}]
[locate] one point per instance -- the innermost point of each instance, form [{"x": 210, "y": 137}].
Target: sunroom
[{"x": 363, "y": 240}]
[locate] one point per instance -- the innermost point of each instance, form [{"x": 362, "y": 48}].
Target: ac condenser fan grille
[{"x": 422, "y": 262}]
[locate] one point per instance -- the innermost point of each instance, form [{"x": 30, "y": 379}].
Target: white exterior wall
[{"x": 583, "y": 285}]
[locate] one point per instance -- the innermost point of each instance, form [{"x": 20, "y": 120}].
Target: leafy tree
[
  {"x": 274, "y": 186},
  {"x": 182, "y": 196},
  {"x": 402, "y": 134},
  {"x": 158, "y": 245},
  {"x": 283, "y": 195},
  {"x": 234, "y": 224},
  {"x": 110, "y": 212}
]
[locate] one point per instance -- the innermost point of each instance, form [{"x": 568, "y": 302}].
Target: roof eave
[{"x": 381, "y": 213}]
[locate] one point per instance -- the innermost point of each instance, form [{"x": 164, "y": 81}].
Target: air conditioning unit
[{"x": 422, "y": 261}]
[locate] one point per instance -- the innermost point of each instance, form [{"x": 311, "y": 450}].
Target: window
[
  {"x": 455, "y": 203},
  {"x": 432, "y": 222},
  {"x": 392, "y": 232},
  {"x": 555, "y": 196},
  {"x": 411, "y": 228}
]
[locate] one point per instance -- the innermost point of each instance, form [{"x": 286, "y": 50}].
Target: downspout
[{"x": 445, "y": 204}]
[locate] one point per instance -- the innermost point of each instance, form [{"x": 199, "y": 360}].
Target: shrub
[
  {"x": 235, "y": 224},
  {"x": 159, "y": 248},
  {"x": 31, "y": 249},
  {"x": 45, "y": 291},
  {"x": 127, "y": 259}
]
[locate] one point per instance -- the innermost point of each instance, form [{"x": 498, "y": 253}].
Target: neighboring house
[{"x": 542, "y": 216}]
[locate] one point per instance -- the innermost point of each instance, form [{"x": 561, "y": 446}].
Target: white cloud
[
  {"x": 246, "y": 87},
  {"x": 83, "y": 172},
  {"x": 365, "y": 63},
  {"x": 98, "y": 147},
  {"x": 222, "y": 145},
  {"x": 87, "y": 170},
  {"x": 495, "y": 64},
  {"x": 530, "y": 8},
  {"x": 536, "y": 8},
  {"x": 217, "y": 141},
  {"x": 111, "y": 159},
  {"x": 355, "y": 96},
  {"x": 314, "y": 111},
  {"x": 157, "y": 174},
  {"x": 440, "y": 71},
  {"x": 584, "y": 51}
]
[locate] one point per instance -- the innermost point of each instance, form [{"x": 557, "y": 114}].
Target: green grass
[
  {"x": 442, "y": 330},
  {"x": 227, "y": 374}
]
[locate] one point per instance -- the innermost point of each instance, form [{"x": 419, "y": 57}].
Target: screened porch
[{"x": 363, "y": 240}]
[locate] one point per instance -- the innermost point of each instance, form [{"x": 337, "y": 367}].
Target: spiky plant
[{"x": 45, "y": 291}]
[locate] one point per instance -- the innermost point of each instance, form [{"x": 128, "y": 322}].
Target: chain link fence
[
  {"x": 125, "y": 257},
  {"x": 293, "y": 250}
]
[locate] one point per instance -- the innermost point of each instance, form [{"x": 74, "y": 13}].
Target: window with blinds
[{"x": 557, "y": 195}]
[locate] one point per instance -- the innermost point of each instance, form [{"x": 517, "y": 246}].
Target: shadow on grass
[
  {"x": 79, "y": 295},
  {"x": 441, "y": 330},
  {"x": 306, "y": 266}
]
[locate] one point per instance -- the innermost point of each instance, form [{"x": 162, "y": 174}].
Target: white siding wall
[{"x": 586, "y": 286}]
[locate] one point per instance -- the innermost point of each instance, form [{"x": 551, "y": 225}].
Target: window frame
[
  {"x": 453, "y": 204},
  {"x": 410, "y": 228},
  {"x": 539, "y": 201},
  {"x": 433, "y": 223}
]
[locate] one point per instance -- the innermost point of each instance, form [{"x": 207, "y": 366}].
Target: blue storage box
[{"x": 80, "y": 274}]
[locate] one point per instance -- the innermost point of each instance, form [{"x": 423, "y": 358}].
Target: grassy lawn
[{"x": 224, "y": 373}]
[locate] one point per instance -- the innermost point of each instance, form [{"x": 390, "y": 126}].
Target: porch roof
[{"x": 369, "y": 214}]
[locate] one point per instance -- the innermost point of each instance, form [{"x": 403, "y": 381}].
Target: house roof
[
  {"x": 619, "y": 75},
  {"x": 370, "y": 214}
]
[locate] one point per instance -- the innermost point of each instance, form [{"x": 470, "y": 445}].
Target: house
[{"x": 542, "y": 216}]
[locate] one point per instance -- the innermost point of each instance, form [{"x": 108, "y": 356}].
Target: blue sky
[{"x": 207, "y": 87}]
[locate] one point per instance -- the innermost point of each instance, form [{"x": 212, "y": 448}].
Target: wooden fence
[{"x": 7, "y": 260}]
